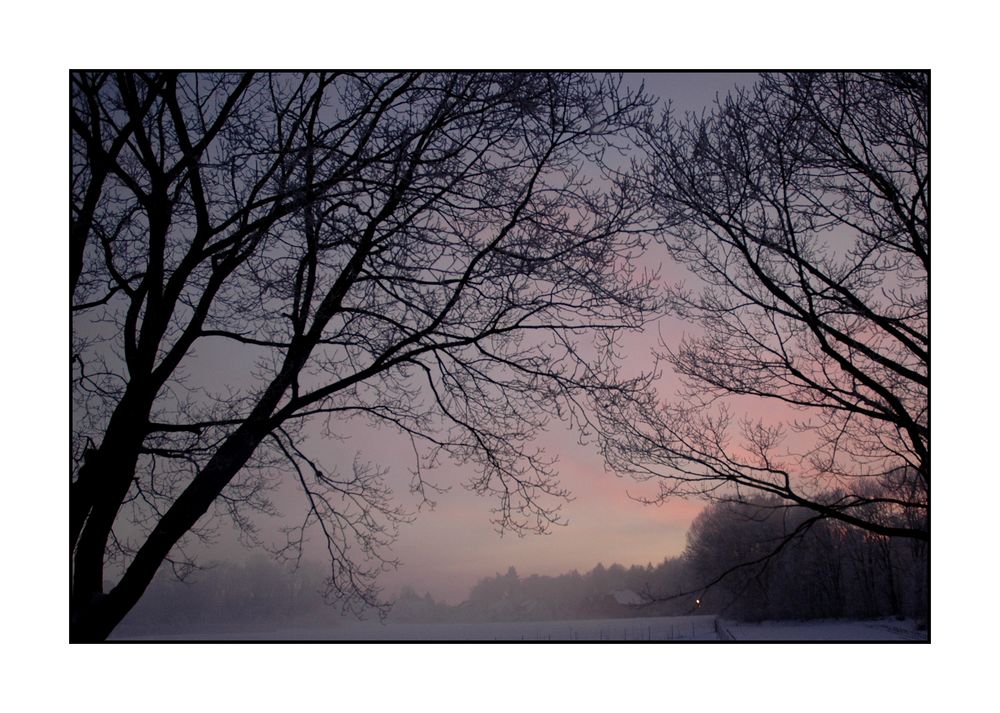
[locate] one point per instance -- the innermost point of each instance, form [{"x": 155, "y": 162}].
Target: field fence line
[{"x": 722, "y": 632}]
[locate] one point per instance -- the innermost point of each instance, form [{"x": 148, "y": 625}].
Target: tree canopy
[
  {"x": 801, "y": 209},
  {"x": 425, "y": 250}
]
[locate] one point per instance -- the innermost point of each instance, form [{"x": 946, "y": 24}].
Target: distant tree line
[
  {"x": 764, "y": 560},
  {"x": 748, "y": 560},
  {"x": 751, "y": 559},
  {"x": 568, "y": 596},
  {"x": 754, "y": 560}
]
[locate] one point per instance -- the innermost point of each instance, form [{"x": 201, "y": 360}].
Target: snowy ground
[
  {"x": 824, "y": 630},
  {"x": 688, "y": 628},
  {"x": 698, "y": 628}
]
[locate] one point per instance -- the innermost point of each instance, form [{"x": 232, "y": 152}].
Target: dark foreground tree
[
  {"x": 422, "y": 250},
  {"x": 801, "y": 206}
]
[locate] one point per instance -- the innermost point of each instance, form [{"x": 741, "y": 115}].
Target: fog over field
[{"x": 816, "y": 588}]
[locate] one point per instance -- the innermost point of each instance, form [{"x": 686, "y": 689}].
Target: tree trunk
[
  {"x": 93, "y": 614},
  {"x": 98, "y": 493}
]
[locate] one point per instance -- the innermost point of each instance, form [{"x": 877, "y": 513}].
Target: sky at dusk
[
  {"x": 453, "y": 543},
  {"x": 447, "y": 549}
]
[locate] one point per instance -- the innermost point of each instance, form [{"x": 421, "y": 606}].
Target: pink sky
[{"x": 448, "y": 549}]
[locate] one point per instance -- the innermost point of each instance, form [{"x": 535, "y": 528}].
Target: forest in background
[{"x": 747, "y": 561}]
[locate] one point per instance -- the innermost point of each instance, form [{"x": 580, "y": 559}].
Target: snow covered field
[
  {"x": 687, "y": 628},
  {"x": 823, "y": 630},
  {"x": 700, "y": 628}
]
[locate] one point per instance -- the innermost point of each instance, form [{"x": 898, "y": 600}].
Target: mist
[{"x": 822, "y": 573}]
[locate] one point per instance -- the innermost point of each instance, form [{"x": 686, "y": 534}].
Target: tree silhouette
[
  {"x": 801, "y": 207},
  {"x": 422, "y": 250}
]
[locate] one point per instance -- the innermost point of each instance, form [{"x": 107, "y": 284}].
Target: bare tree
[
  {"x": 422, "y": 250},
  {"x": 801, "y": 208}
]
